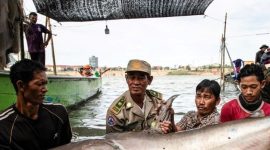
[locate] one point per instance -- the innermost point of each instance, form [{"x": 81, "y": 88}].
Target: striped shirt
[{"x": 191, "y": 121}]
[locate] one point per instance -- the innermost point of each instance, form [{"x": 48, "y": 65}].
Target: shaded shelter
[{"x": 91, "y": 10}]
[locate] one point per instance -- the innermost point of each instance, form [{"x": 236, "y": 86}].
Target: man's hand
[
  {"x": 166, "y": 127},
  {"x": 44, "y": 45}
]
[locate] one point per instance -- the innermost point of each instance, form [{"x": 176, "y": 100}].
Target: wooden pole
[
  {"x": 46, "y": 25},
  {"x": 53, "y": 55},
  {"x": 221, "y": 62},
  {"x": 223, "y": 53},
  {"x": 228, "y": 53},
  {"x": 21, "y": 31}
]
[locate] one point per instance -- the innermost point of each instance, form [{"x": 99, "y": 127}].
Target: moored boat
[{"x": 67, "y": 90}]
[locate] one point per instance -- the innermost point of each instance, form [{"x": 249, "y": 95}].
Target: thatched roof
[{"x": 91, "y": 10}]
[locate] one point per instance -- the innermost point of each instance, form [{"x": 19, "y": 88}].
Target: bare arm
[
  {"x": 49, "y": 36},
  {"x": 178, "y": 128},
  {"x": 48, "y": 39}
]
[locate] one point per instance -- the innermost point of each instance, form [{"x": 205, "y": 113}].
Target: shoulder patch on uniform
[
  {"x": 154, "y": 94},
  {"x": 111, "y": 121},
  {"x": 118, "y": 106}
]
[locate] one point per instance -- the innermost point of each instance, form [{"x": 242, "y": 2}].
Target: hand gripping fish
[{"x": 165, "y": 113}]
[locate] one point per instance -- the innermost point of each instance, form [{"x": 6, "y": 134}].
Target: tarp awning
[{"x": 91, "y": 10}]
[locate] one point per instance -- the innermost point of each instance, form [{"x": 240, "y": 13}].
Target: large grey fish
[{"x": 246, "y": 134}]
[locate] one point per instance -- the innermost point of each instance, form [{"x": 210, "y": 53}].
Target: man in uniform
[
  {"x": 137, "y": 108},
  {"x": 250, "y": 102},
  {"x": 206, "y": 99},
  {"x": 30, "y": 124}
]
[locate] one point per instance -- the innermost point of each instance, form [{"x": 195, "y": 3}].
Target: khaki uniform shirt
[
  {"x": 191, "y": 121},
  {"x": 125, "y": 115}
]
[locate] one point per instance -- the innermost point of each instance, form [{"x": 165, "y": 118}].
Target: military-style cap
[
  {"x": 139, "y": 65},
  {"x": 264, "y": 46}
]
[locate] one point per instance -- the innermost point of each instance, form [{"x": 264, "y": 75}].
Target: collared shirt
[
  {"x": 125, "y": 115},
  {"x": 191, "y": 121},
  {"x": 144, "y": 105}
]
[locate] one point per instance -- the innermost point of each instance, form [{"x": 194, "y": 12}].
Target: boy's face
[{"x": 251, "y": 87}]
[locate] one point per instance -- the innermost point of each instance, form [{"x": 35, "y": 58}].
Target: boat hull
[{"x": 67, "y": 90}]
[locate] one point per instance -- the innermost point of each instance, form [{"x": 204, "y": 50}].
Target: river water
[{"x": 88, "y": 121}]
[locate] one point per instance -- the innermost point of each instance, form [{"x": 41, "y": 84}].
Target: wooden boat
[{"x": 67, "y": 90}]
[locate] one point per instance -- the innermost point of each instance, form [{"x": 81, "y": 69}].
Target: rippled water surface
[{"x": 88, "y": 121}]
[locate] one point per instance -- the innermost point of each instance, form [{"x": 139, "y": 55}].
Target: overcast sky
[{"x": 173, "y": 41}]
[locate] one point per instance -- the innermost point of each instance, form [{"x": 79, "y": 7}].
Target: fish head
[
  {"x": 171, "y": 99},
  {"x": 164, "y": 113}
]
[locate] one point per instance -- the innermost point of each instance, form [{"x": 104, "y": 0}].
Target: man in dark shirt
[
  {"x": 29, "y": 124},
  {"x": 260, "y": 53},
  {"x": 265, "y": 59},
  {"x": 266, "y": 89},
  {"x": 33, "y": 33}
]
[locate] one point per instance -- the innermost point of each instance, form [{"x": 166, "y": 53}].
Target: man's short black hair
[
  {"x": 24, "y": 70},
  {"x": 33, "y": 14},
  {"x": 251, "y": 69},
  {"x": 210, "y": 85}
]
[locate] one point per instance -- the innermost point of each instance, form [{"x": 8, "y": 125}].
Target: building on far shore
[{"x": 93, "y": 61}]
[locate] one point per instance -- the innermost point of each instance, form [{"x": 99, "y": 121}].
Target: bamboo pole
[
  {"x": 223, "y": 64},
  {"x": 21, "y": 30},
  {"x": 52, "y": 45},
  {"x": 46, "y": 25},
  {"x": 228, "y": 53},
  {"x": 224, "y": 49},
  {"x": 221, "y": 61},
  {"x": 223, "y": 52}
]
